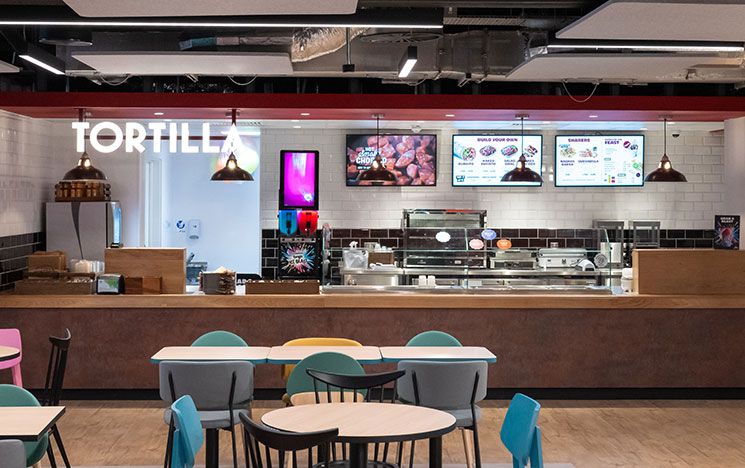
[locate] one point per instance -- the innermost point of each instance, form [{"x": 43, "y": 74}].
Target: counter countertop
[{"x": 377, "y": 301}]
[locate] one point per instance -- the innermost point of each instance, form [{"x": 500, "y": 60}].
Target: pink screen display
[{"x": 299, "y": 180}]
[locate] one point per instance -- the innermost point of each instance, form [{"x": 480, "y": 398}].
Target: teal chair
[
  {"x": 187, "y": 438},
  {"x": 10, "y": 395},
  {"x": 337, "y": 363},
  {"x": 219, "y": 338},
  {"x": 520, "y": 432},
  {"x": 433, "y": 338}
]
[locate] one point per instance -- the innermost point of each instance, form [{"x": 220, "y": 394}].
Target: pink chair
[{"x": 12, "y": 337}]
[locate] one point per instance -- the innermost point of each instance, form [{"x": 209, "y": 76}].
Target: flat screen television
[
  {"x": 411, "y": 158},
  {"x": 599, "y": 161},
  {"x": 482, "y": 160},
  {"x": 298, "y": 181}
]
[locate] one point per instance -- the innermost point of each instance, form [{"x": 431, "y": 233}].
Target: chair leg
[
  {"x": 50, "y": 454},
  {"x": 477, "y": 451},
  {"x": 235, "y": 450},
  {"x": 169, "y": 447},
  {"x": 16, "y": 372},
  {"x": 60, "y": 445},
  {"x": 467, "y": 447}
]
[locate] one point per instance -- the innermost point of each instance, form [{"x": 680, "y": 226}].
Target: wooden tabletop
[
  {"x": 28, "y": 423},
  {"x": 254, "y": 354},
  {"x": 8, "y": 352},
  {"x": 364, "y": 422},
  {"x": 436, "y": 353},
  {"x": 295, "y": 354}
]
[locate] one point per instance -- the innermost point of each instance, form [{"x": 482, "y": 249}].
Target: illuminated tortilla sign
[{"x": 134, "y": 134}]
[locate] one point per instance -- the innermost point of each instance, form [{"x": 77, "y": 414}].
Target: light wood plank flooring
[{"x": 584, "y": 433}]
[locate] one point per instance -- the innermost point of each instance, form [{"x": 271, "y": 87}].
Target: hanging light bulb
[
  {"x": 377, "y": 174},
  {"x": 232, "y": 172},
  {"x": 521, "y": 172},
  {"x": 84, "y": 170},
  {"x": 665, "y": 171}
]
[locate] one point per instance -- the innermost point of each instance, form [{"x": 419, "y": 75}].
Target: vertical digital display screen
[{"x": 298, "y": 184}]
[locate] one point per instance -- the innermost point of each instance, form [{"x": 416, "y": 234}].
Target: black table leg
[
  {"x": 212, "y": 456},
  {"x": 357, "y": 455},
  {"x": 435, "y": 452}
]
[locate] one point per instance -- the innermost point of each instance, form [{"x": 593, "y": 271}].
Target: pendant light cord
[
  {"x": 377, "y": 134},
  {"x": 522, "y": 136},
  {"x": 664, "y": 124}
]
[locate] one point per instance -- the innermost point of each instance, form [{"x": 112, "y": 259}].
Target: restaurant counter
[{"x": 556, "y": 341}]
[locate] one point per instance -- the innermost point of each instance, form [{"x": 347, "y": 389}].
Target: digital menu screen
[
  {"x": 599, "y": 161},
  {"x": 482, "y": 160},
  {"x": 411, "y": 158},
  {"x": 298, "y": 182}
]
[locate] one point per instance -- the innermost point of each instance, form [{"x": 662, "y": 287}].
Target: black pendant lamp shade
[
  {"x": 377, "y": 174},
  {"x": 521, "y": 172},
  {"x": 665, "y": 171},
  {"x": 84, "y": 170},
  {"x": 232, "y": 172}
]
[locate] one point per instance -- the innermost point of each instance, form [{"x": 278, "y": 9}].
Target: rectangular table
[
  {"x": 28, "y": 423},
  {"x": 295, "y": 354},
  {"x": 436, "y": 353},
  {"x": 254, "y": 354}
]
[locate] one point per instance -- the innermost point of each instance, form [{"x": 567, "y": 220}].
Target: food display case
[{"x": 457, "y": 260}]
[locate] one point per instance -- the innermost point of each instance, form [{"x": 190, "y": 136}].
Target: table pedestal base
[{"x": 212, "y": 448}]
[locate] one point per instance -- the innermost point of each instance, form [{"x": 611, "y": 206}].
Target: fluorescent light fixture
[
  {"x": 449, "y": 115},
  {"x": 229, "y": 25},
  {"x": 593, "y": 116},
  {"x": 659, "y": 46},
  {"x": 158, "y": 113},
  {"x": 305, "y": 114},
  {"x": 407, "y": 62},
  {"x": 41, "y": 64}
]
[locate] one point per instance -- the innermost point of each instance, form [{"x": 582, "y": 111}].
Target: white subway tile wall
[
  {"x": 27, "y": 176},
  {"x": 699, "y": 155}
]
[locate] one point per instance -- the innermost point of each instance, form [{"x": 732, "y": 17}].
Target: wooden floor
[{"x": 584, "y": 433}]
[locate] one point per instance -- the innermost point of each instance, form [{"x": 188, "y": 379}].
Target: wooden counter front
[{"x": 378, "y": 301}]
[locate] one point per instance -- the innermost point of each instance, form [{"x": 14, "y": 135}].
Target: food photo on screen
[
  {"x": 483, "y": 160},
  {"x": 412, "y": 159}
]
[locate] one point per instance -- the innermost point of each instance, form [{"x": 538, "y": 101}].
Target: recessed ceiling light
[
  {"x": 671, "y": 123},
  {"x": 420, "y": 121},
  {"x": 593, "y": 116},
  {"x": 296, "y": 126},
  {"x": 546, "y": 122},
  {"x": 295, "y": 120},
  {"x": 305, "y": 114},
  {"x": 158, "y": 113},
  {"x": 643, "y": 128},
  {"x": 449, "y": 115}
]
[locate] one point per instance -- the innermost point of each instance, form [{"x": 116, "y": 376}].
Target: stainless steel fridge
[{"x": 83, "y": 230}]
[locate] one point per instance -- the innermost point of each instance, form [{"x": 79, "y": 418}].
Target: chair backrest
[
  {"x": 12, "y": 454},
  {"x": 187, "y": 437},
  {"x": 209, "y": 383},
  {"x": 286, "y": 369},
  {"x": 357, "y": 384},
  {"x": 443, "y": 385},
  {"x": 11, "y": 337},
  {"x": 520, "y": 433},
  {"x": 258, "y": 436},
  {"x": 433, "y": 338},
  {"x": 219, "y": 338},
  {"x": 56, "y": 369},
  {"x": 11, "y": 395},
  {"x": 338, "y": 363}
]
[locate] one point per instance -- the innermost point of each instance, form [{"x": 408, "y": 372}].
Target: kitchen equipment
[
  {"x": 307, "y": 222},
  {"x": 645, "y": 234},
  {"x": 382, "y": 277},
  {"x": 560, "y": 258},
  {"x": 514, "y": 259},
  {"x": 585, "y": 265},
  {"x": 615, "y": 233},
  {"x": 288, "y": 222},
  {"x": 283, "y": 287},
  {"x": 192, "y": 271},
  {"x": 109, "y": 283},
  {"x": 469, "y": 219},
  {"x": 86, "y": 266},
  {"x": 627, "y": 280},
  {"x": 382, "y": 256},
  {"x": 83, "y": 230},
  {"x": 440, "y": 247},
  {"x": 299, "y": 258},
  {"x": 355, "y": 258}
]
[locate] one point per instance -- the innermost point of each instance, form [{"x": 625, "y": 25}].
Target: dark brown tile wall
[
  {"x": 14, "y": 253},
  {"x": 529, "y": 237}
]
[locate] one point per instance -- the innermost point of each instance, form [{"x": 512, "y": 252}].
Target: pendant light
[
  {"x": 84, "y": 170},
  {"x": 521, "y": 172},
  {"x": 377, "y": 173},
  {"x": 665, "y": 171},
  {"x": 232, "y": 172}
]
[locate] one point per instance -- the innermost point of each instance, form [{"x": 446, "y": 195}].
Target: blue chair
[
  {"x": 521, "y": 434},
  {"x": 219, "y": 338},
  {"x": 187, "y": 438},
  {"x": 433, "y": 338},
  {"x": 10, "y": 395}
]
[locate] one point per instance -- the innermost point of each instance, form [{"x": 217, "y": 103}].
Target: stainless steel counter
[{"x": 495, "y": 290}]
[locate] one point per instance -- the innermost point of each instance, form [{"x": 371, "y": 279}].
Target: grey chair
[
  {"x": 221, "y": 390},
  {"x": 12, "y": 454},
  {"x": 453, "y": 387}
]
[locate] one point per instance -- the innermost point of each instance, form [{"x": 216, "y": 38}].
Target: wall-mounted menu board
[
  {"x": 599, "y": 161},
  {"x": 482, "y": 160},
  {"x": 411, "y": 158}
]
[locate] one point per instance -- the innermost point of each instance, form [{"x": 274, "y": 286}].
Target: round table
[
  {"x": 360, "y": 424},
  {"x": 8, "y": 352}
]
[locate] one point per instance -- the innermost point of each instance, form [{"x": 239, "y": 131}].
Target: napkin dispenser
[{"x": 109, "y": 283}]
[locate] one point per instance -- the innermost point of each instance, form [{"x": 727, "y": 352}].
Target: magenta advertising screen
[
  {"x": 298, "y": 182},
  {"x": 411, "y": 158}
]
